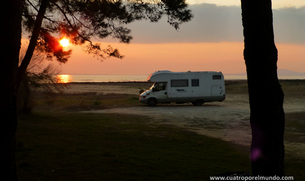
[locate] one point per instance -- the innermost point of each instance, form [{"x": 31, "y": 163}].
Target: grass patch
[
  {"x": 294, "y": 88},
  {"x": 83, "y": 101},
  {"x": 70, "y": 146},
  {"x": 295, "y": 126},
  {"x": 294, "y": 133},
  {"x": 291, "y": 88},
  {"x": 236, "y": 87}
]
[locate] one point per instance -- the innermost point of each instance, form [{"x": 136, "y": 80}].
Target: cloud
[
  {"x": 212, "y": 23},
  {"x": 289, "y": 25}
]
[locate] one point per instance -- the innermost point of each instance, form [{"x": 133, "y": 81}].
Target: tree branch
[
  {"x": 69, "y": 22},
  {"x": 32, "y": 5},
  {"x": 45, "y": 17}
]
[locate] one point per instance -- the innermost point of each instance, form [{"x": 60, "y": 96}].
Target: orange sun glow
[{"x": 64, "y": 42}]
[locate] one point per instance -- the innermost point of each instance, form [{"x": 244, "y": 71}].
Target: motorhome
[{"x": 183, "y": 87}]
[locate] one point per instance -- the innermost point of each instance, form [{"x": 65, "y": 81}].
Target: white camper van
[{"x": 182, "y": 87}]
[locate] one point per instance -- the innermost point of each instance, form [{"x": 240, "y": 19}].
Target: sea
[{"x": 82, "y": 78}]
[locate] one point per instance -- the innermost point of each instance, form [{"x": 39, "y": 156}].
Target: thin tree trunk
[
  {"x": 266, "y": 97},
  {"x": 35, "y": 34},
  {"x": 10, "y": 20}
]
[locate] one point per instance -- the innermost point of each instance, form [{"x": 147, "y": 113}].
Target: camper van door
[{"x": 160, "y": 91}]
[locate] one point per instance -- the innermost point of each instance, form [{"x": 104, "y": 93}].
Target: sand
[{"x": 227, "y": 120}]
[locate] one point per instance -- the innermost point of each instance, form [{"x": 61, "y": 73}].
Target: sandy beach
[
  {"x": 227, "y": 120},
  {"x": 131, "y": 88}
]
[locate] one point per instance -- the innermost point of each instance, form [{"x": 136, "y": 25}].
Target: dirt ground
[{"x": 227, "y": 120}]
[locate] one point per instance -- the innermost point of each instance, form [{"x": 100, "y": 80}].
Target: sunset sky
[{"x": 213, "y": 40}]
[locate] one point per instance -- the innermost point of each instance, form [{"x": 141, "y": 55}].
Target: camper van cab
[{"x": 183, "y": 87}]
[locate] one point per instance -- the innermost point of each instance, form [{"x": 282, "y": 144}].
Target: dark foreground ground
[{"x": 57, "y": 142}]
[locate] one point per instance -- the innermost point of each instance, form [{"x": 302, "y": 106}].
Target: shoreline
[
  {"x": 77, "y": 78},
  {"x": 127, "y": 82},
  {"x": 149, "y": 84},
  {"x": 133, "y": 87}
]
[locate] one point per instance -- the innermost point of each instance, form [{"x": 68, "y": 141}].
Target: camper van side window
[
  {"x": 195, "y": 82},
  {"x": 180, "y": 83},
  {"x": 216, "y": 77}
]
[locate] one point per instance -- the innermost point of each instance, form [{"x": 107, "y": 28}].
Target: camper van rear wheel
[
  {"x": 197, "y": 103},
  {"x": 152, "y": 102}
]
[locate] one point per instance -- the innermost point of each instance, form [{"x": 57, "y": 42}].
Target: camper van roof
[{"x": 156, "y": 74}]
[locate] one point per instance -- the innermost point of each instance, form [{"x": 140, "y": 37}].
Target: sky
[{"x": 211, "y": 41}]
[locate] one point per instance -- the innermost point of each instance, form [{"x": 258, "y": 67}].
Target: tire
[
  {"x": 152, "y": 102},
  {"x": 197, "y": 103}
]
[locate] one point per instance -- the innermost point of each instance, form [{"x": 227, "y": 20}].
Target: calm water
[
  {"x": 128, "y": 78},
  {"x": 100, "y": 78}
]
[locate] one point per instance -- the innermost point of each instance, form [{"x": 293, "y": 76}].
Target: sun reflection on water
[{"x": 63, "y": 78}]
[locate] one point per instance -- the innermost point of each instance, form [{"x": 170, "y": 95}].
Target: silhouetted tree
[
  {"x": 266, "y": 97},
  {"x": 39, "y": 74},
  {"x": 79, "y": 20},
  {"x": 10, "y": 20}
]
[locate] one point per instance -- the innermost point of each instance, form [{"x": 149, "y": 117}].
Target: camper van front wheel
[{"x": 152, "y": 102}]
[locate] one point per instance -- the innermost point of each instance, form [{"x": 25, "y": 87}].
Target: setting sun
[{"x": 64, "y": 42}]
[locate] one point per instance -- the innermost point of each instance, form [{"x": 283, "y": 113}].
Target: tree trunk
[
  {"x": 10, "y": 19},
  {"x": 35, "y": 34},
  {"x": 266, "y": 97}
]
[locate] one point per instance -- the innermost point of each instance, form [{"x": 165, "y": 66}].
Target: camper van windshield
[
  {"x": 158, "y": 86},
  {"x": 152, "y": 86}
]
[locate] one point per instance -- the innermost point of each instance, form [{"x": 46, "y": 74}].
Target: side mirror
[{"x": 154, "y": 89}]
